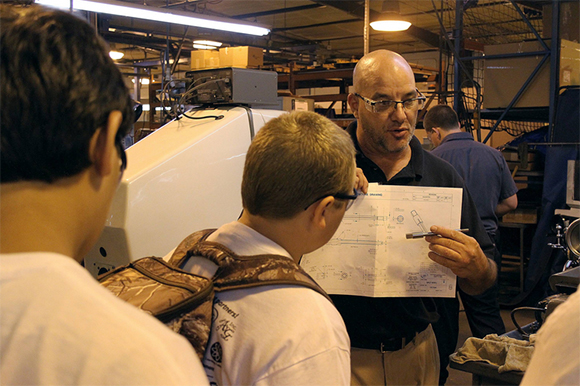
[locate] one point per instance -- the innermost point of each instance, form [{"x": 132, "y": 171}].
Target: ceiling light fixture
[
  {"x": 137, "y": 11},
  {"x": 116, "y": 55},
  {"x": 206, "y": 44},
  {"x": 390, "y": 19}
]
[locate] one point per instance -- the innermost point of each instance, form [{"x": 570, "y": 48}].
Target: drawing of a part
[
  {"x": 342, "y": 275},
  {"x": 371, "y": 219},
  {"x": 325, "y": 272},
  {"x": 418, "y": 220},
  {"x": 348, "y": 238},
  {"x": 373, "y": 276}
]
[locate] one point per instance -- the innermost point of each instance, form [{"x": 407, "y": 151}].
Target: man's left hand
[
  {"x": 361, "y": 183},
  {"x": 463, "y": 255}
]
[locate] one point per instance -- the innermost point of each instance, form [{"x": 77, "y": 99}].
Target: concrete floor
[{"x": 462, "y": 378}]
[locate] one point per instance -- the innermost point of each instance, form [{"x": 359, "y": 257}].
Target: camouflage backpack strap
[
  {"x": 182, "y": 252},
  {"x": 252, "y": 271}
]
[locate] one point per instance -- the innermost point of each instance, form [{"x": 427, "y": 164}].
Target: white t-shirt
[
  {"x": 273, "y": 335},
  {"x": 556, "y": 358},
  {"x": 60, "y": 327}
]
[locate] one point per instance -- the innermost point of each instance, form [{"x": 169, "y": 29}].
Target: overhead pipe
[{"x": 366, "y": 29}]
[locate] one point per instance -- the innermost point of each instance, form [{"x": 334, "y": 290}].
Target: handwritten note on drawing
[{"x": 369, "y": 254}]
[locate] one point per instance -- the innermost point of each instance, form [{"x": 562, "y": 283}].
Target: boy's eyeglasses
[
  {"x": 340, "y": 196},
  {"x": 387, "y": 105}
]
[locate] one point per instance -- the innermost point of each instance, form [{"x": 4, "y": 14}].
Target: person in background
[
  {"x": 65, "y": 110},
  {"x": 493, "y": 189},
  {"x": 392, "y": 339},
  {"x": 556, "y": 357},
  {"x": 299, "y": 179}
]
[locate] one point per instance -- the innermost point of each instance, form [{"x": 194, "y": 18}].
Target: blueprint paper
[{"x": 369, "y": 254}]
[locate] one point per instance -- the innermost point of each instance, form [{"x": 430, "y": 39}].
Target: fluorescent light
[
  {"x": 390, "y": 25},
  {"x": 203, "y": 47},
  {"x": 206, "y": 44},
  {"x": 137, "y": 11},
  {"x": 116, "y": 55}
]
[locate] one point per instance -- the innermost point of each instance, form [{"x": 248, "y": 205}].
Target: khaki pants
[{"x": 415, "y": 364}]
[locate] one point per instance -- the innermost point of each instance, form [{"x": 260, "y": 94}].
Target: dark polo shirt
[{"x": 370, "y": 321}]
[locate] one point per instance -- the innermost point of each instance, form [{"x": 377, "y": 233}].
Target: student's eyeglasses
[
  {"x": 122, "y": 155},
  {"x": 340, "y": 196},
  {"x": 386, "y": 105}
]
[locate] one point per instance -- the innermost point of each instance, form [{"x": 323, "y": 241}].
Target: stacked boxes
[
  {"x": 203, "y": 59},
  {"x": 244, "y": 57},
  {"x": 240, "y": 57}
]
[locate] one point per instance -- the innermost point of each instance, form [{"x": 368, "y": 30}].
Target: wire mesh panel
[
  {"x": 484, "y": 22},
  {"x": 507, "y": 26}
]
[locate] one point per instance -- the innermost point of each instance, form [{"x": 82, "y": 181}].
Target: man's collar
[
  {"x": 414, "y": 169},
  {"x": 351, "y": 130},
  {"x": 416, "y": 163},
  {"x": 457, "y": 136}
]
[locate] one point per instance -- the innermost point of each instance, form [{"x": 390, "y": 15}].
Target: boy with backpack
[{"x": 299, "y": 179}]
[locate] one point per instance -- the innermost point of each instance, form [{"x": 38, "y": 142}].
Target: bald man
[{"x": 392, "y": 339}]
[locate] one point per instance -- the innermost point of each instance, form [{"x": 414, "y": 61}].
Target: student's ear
[
  {"x": 319, "y": 216},
  {"x": 102, "y": 149},
  {"x": 353, "y": 103}
]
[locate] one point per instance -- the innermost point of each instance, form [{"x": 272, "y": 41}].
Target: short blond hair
[{"x": 293, "y": 160}]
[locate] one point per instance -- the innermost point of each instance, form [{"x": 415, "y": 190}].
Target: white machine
[{"x": 184, "y": 177}]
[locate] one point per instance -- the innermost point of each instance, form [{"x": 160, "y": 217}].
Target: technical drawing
[
  {"x": 418, "y": 220},
  {"x": 369, "y": 254}
]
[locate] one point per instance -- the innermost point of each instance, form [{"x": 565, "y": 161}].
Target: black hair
[
  {"x": 442, "y": 116},
  {"x": 57, "y": 87}
]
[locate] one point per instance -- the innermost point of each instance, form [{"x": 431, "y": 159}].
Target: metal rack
[{"x": 455, "y": 42}]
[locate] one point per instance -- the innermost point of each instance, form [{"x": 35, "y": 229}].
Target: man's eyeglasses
[
  {"x": 386, "y": 105},
  {"x": 340, "y": 196}
]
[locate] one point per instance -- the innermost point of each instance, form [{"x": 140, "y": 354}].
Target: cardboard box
[
  {"x": 569, "y": 16},
  {"x": 522, "y": 215},
  {"x": 527, "y": 166},
  {"x": 202, "y": 59},
  {"x": 513, "y": 155},
  {"x": 569, "y": 63},
  {"x": 528, "y": 161},
  {"x": 503, "y": 78},
  {"x": 288, "y": 103},
  {"x": 241, "y": 57}
]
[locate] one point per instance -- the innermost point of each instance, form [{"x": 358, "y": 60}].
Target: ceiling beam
[
  {"x": 315, "y": 25},
  {"x": 277, "y": 11},
  {"x": 181, "y": 3}
]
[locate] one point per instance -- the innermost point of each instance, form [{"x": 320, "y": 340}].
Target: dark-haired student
[{"x": 64, "y": 112}]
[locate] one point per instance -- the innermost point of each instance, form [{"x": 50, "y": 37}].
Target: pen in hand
[{"x": 418, "y": 235}]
